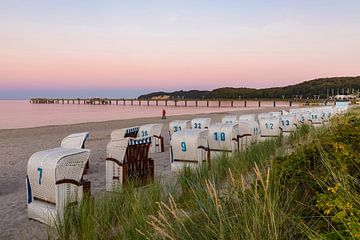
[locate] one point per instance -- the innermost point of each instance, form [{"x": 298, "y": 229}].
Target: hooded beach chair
[
  {"x": 55, "y": 179},
  {"x": 125, "y": 132},
  {"x": 127, "y": 160},
  {"x": 189, "y": 147},
  {"x": 178, "y": 125},
  {"x": 247, "y": 117},
  {"x": 76, "y": 140},
  {"x": 316, "y": 118},
  {"x": 289, "y": 123},
  {"x": 200, "y": 123},
  {"x": 229, "y": 119},
  {"x": 223, "y": 138},
  {"x": 153, "y": 131},
  {"x": 269, "y": 128},
  {"x": 249, "y": 132}
]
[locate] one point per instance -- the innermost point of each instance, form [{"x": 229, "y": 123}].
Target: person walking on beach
[{"x": 163, "y": 114}]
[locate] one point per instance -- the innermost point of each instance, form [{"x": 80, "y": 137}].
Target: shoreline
[{"x": 19, "y": 144}]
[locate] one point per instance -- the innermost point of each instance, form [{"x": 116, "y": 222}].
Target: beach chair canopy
[
  {"x": 124, "y": 132},
  {"x": 178, "y": 125},
  {"x": 200, "y": 123},
  {"x": 270, "y": 127},
  {"x": 229, "y": 119},
  {"x": 185, "y": 145},
  {"x": 76, "y": 140},
  {"x": 276, "y": 114},
  {"x": 247, "y": 117},
  {"x": 264, "y": 115},
  {"x": 54, "y": 178},
  {"x": 223, "y": 137},
  {"x": 128, "y": 159}
]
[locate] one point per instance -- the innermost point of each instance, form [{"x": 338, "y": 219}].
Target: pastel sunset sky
[{"x": 115, "y": 48}]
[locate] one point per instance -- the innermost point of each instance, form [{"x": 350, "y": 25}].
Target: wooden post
[
  {"x": 274, "y": 104},
  {"x": 196, "y": 103},
  {"x": 132, "y": 102},
  {"x": 219, "y": 103},
  {"x": 290, "y": 103},
  {"x": 157, "y": 102},
  {"x": 207, "y": 103},
  {"x": 73, "y": 101},
  {"x": 62, "y": 101},
  {"x": 166, "y": 102},
  {"x": 175, "y": 103},
  {"x": 79, "y": 101},
  {"x": 245, "y": 103},
  {"x": 232, "y": 103},
  {"x": 259, "y": 103},
  {"x": 139, "y": 102},
  {"x": 185, "y": 103},
  {"x": 148, "y": 102}
]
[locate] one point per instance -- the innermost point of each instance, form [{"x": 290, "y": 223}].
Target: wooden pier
[{"x": 165, "y": 103}]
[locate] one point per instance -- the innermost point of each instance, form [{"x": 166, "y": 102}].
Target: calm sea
[{"x": 22, "y": 114}]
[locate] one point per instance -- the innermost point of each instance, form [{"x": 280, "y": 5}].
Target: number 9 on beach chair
[
  {"x": 153, "y": 131},
  {"x": 189, "y": 147},
  {"x": 54, "y": 179},
  {"x": 127, "y": 159},
  {"x": 200, "y": 123},
  {"x": 269, "y": 128}
]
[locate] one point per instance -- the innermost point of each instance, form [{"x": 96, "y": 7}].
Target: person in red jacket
[{"x": 163, "y": 114}]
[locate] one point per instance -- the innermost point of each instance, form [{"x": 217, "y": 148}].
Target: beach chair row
[{"x": 55, "y": 177}]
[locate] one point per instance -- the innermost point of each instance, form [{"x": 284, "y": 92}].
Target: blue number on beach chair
[
  {"x": 183, "y": 146},
  {"x": 40, "y": 170},
  {"x": 222, "y": 136},
  {"x": 271, "y": 126},
  {"x": 216, "y": 136},
  {"x": 197, "y": 125},
  {"x": 175, "y": 128}
]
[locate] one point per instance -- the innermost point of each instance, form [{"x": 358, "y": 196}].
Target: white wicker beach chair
[
  {"x": 289, "y": 123},
  {"x": 223, "y": 138},
  {"x": 127, "y": 159},
  {"x": 229, "y": 119},
  {"x": 76, "y": 140},
  {"x": 54, "y": 179},
  {"x": 247, "y": 117},
  {"x": 249, "y": 132},
  {"x": 178, "y": 125},
  {"x": 200, "y": 123},
  {"x": 269, "y": 128},
  {"x": 316, "y": 118},
  {"x": 189, "y": 147},
  {"x": 153, "y": 131}
]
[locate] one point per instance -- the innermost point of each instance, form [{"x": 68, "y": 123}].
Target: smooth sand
[{"x": 16, "y": 146}]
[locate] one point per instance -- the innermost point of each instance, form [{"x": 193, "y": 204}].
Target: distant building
[{"x": 161, "y": 97}]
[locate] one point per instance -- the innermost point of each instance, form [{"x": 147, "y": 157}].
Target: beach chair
[
  {"x": 178, "y": 125},
  {"x": 249, "y": 132},
  {"x": 127, "y": 160},
  {"x": 289, "y": 123},
  {"x": 327, "y": 114},
  {"x": 55, "y": 179},
  {"x": 153, "y": 131},
  {"x": 229, "y": 119},
  {"x": 200, "y": 123},
  {"x": 247, "y": 117},
  {"x": 223, "y": 138},
  {"x": 189, "y": 147},
  {"x": 269, "y": 128},
  {"x": 316, "y": 118},
  {"x": 76, "y": 140},
  {"x": 276, "y": 114},
  {"x": 303, "y": 117}
]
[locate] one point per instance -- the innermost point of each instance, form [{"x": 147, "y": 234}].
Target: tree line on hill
[{"x": 318, "y": 88}]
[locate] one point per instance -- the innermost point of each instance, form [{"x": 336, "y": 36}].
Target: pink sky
[{"x": 179, "y": 46}]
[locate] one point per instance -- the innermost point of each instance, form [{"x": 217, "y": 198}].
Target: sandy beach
[{"x": 18, "y": 145}]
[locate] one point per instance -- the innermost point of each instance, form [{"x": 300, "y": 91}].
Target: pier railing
[{"x": 176, "y": 103}]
